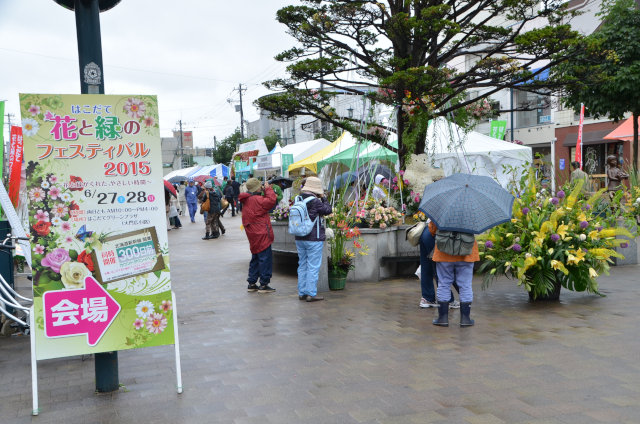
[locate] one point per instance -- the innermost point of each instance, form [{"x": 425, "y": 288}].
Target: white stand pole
[
  {"x": 34, "y": 363},
  {"x": 177, "y": 343}
]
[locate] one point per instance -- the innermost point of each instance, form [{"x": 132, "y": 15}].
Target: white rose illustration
[{"x": 73, "y": 274}]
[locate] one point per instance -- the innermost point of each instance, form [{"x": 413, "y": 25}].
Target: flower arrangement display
[
  {"x": 404, "y": 194},
  {"x": 281, "y": 212},
  {"x": 552, "y": 240},
  {"x": 374, "y": 214},
  {"x": 345, "y": 243}
]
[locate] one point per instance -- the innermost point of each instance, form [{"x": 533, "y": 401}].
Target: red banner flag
[
  {"x": 15, "y": 164},
  {"x": 578, "y": 157}
]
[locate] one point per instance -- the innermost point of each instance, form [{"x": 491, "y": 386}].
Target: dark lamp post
[{"x": 92, "y": 82}]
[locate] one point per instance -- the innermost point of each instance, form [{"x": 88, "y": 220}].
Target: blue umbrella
[
  {"x": 345, "y": 178},
  {"x": 466, "y": 203}
]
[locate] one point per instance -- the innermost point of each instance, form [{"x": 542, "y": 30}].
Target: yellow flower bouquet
[{"x": 557, "y": 241}]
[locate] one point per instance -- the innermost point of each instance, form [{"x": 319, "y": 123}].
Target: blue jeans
[
  {"x": 193, "y": 208},
  {"x": 261, "y": 265},
  {"x": 459, "y": 272},
  {"x": 428, "y": 268},
  {"x": 309, "y": 262}
]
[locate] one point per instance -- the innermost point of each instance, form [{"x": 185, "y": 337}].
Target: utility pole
[
  {"x": 239, "y": 109},
  {"x": 241, "y": 113}
]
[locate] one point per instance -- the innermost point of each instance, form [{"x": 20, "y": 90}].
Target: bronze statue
[{"x": 614, "y": 174}]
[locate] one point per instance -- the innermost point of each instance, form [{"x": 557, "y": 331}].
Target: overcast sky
[{"x": 190, "y": 53}]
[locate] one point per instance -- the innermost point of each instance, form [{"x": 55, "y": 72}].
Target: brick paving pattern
[{"x": 367, "y": 354}]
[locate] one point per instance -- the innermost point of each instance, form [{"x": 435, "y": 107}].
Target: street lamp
[{"x": 350, "y": 112}]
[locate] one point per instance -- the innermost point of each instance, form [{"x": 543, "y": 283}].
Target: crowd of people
[{"x": 255, "y": 199}]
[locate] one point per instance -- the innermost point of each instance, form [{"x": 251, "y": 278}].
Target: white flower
[
  {"x": 65, "y": 197},
  {"x": 144, "y": 309},
  {"x": 45, "y": 184},
  {"x": 582, "y": 237},
  {"x": 73, "y": 274},
  {"x": 30, "y": 127}
]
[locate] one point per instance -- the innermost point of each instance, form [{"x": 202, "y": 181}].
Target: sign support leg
[
  {"x": 34, "y": 363},
  {"x": 177, "y": 343}
]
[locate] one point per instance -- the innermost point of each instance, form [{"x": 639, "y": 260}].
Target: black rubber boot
[
  {"x": 206, "y": 236},
  {"x": 443, "y": 315},
  {"x": 465, "y": 312}
]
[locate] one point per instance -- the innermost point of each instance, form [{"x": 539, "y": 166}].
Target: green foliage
[
  {"x": 398, "y": 53},
  {"x": 271, "y": 139}
]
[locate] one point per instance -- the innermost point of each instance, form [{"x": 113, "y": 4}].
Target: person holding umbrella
[{"x": 459, "y": 206}]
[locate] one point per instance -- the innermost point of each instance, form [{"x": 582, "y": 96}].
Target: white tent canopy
[
  {"x": 184, "y": 172},
  {"x": 455, "y": 150}
]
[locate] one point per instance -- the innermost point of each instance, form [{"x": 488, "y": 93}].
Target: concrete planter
[{"x": 390, "y": 255}]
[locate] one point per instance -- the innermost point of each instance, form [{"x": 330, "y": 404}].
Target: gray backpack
[{"x": 455, "y": 243}]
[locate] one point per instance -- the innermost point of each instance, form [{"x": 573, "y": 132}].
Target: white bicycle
[{"x": 14, "y": 307}]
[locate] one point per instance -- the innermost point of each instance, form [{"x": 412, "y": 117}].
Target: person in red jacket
[{"x": 256, "y": 203}]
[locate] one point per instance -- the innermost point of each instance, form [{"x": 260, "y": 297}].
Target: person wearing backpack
[
  {"x": 256, "y": 203},
  {"x": 453, "y": 268},
  {"x": 310, "y": 246}
]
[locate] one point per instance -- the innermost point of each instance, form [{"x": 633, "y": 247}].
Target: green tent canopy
[{"x": 368, "y": 151}]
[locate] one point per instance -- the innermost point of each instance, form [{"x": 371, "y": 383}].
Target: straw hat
[{"x": 313, "y": 185}]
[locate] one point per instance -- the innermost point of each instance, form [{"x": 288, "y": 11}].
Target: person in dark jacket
[
  {"x": 212, "y": 220},
  {"x": 228, "y": 194},
  {"x": 310, "y": 246},
  {"x": 256, "y": 203},
  {"x": 236, "y": 192}
]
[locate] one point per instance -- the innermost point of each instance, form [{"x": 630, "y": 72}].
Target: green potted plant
[
  {"x": 343, "y": 245},
  {"x": 552, "y": 241}
]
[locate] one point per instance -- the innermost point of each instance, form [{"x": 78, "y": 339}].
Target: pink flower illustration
[
  {"x": 53, "y": 179},
  {"x": 55, "y": 259},
  {"x": 138, "y": 323},
  {"x": 34, "y": 110},
  {"x": 166, "y": 305},
  {"x": 60, "y": 210},
  {"x": 36, "y": 194},
  {"x": 135, "y": 108},
  {"x": 41, "y": 216},
  {"x": 65, "y": 226},
  {"x": 54, "y": 192},
  {"x": 148, "y": 121},
  {"x": 156, "y": 323},
  {"x": 68, "y": 239},
  {"x": 38, "y": 250}
]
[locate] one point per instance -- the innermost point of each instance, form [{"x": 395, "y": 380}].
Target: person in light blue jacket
[{"x": 191, "y": 194}]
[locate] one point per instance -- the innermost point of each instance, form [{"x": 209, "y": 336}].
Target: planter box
[{"x": 390, "y": 255}]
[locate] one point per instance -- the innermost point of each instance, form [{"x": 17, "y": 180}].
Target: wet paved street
[{"x": 367, "y": 354}]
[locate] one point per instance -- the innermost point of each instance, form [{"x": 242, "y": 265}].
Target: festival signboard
[{"x": 97, "y": 221}]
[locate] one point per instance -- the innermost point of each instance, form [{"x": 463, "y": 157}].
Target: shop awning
[
  {"x": 624, "y": 132},
  {"x": 588, "y": 138}
]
